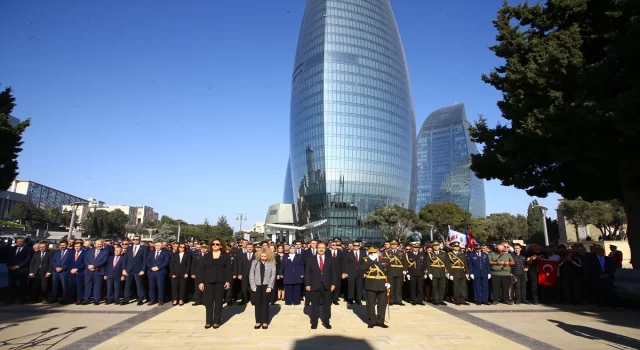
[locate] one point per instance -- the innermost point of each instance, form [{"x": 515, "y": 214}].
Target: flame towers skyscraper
[{"x": 352, "y": 126}]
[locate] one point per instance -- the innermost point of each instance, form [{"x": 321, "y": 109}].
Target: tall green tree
[
  {"x": 607, "y": 216},
  {"x": 506, "y": 226},
  {"x": 28, "y": 214},
  {"x": 102, "y": 223},
  {"x": 10, "y": 140},
  {"x": 223, "y": 230},
  {"x": 534, "y": 219},
  {"x": 393, "y": 221},
  {"x": 441, "y": 215},
  {"x": 571, "y": 96}
]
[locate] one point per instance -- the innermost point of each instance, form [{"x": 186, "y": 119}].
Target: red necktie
[
  {"x": 77, "y": 255},
  {"x": 321, "y": 263},
  {"x": 357, "y": 259},
  {"x": 334, "y": 254}
]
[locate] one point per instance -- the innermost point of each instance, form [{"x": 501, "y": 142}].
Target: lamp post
[
  {"x": 241, "y": 217},
  {"x": 179, "y": 222},
  {"x": 544, "y": 223},
  {"x": 74, "y": 207}
]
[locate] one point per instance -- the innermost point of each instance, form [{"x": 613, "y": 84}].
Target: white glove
[
  {"x": 472, "y": 277},
  {"x": 451, "y": 278},
  {"x": 489, "y": 276},
  {"x": 408, "y": 277},
  {"x": 387, "y": 285},
  {"x": 430, "y": 276},
  {"x": 447, "y": 274},
  {"x": 404, "y": 273},
  {"x": 374, "y": 256},
  {"x": 467, "y": 276}
]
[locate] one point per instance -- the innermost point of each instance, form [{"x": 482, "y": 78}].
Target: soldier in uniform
[
  {"x": 396, "y": 272},
  {"x": 458, "y": 273},
  {"x": 375, "y": 269},
  {"x": 416, "y": 269},
  {"x": 437, "y": 272}
]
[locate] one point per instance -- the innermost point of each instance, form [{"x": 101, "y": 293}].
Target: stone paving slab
[{"x": 410, "y": 328}]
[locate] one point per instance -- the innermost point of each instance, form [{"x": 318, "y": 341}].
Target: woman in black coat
[
  {"x": 213, "y": 276},
  {"x": 179, "y": 271}
]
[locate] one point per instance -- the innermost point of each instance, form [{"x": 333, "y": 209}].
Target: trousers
[
  {"x": 379, "y": 299},
  {"x": 261, "y": 302}
]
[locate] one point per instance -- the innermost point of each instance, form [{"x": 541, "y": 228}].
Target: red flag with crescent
[{"x": 547, "y": 272}]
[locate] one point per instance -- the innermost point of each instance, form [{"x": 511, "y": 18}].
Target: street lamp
[
  {"x": 241, "y": 217},
  {"x": 179, "y": 222},
  {"x": 544, "y": 223},
  {"x": 74, "y": 207},
  {"x": 431, "y": 231}
]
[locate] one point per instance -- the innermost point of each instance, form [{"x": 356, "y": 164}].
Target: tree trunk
[{"x": 632, "y": 208}]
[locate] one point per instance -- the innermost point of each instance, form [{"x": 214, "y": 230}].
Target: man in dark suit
[
  {"x": 157, "y": 262},
  {"x": 603, "y": 270},
  {"x": 243, "y": 268},
  {"x": 95, "y": 261},
  {"x": 197, "y": 256},
  {"x": 18, "y": 263},
  {"x": 40, "y": 272},
  {"x": 134, "y": 270},
  {"x": 59, "y": 271},
  {"x": 75, "y": 278},
  {"x": 337, "y": 256},
  {"x": 114, "y": 276},
  {"x": 351, "y": 267},
  {"x": 319, "y": 281}
]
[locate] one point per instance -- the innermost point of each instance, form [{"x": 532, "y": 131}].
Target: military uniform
[
  {"x": 375, "y": 285},
  {"x": 396, "y": 275},
  {"x": 458, "y": 272},
  {"x": 437, "y": 271},
  {"x": 416, "y": 267}
]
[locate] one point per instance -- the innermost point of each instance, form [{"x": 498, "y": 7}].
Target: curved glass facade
[
  {"x": 287, "y": 196},
  {"x": 352, "y": 127},
  {"x": 444, "y": 157}
]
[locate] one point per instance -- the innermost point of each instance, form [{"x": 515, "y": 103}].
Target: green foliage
[
  {"x": 571, "y": 96},
  {"x": 10, "y": 140},
  {"x": 102, "y": 223},
  {"x": 441, "y": 215},
  {"x": 607, "y": 216},
  {"x": 11, "y": 224},
  {"x": 223, "y": 230},
  {"x": 253, "y": 236},
  {"x": 393, "y": 221},
  {"x": 506, "y": 226},
  {"x": 534, "y": 219}
]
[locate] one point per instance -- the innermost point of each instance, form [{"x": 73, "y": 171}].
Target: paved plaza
[{"x": 411, "y": 327}]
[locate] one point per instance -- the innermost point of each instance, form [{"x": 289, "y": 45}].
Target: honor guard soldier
[
  {"x": 396, "y": 272},
  {"x": 375, "y": 269},
  {"x": 437, "y": 272},
  {"x": 416, "y": 269},
  {"x": 458, "y": 273}
]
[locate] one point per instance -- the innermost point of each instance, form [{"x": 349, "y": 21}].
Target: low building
[
  {"x": 137, "y": 215},
  {"x": 279, "y": 225},
  {"x": 43, "y": 196},
  {"x": 8, "y": 200},
  {"x": 257, "y": 227}
]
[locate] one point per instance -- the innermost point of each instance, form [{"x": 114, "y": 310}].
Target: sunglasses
[
  {"x": 215, "y": 244},
  {"x": 136, "y": 239}
]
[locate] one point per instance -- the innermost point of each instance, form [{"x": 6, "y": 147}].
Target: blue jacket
[
  {"x": 138, "y": 263},
  {"x": 58, "y": 261},
  {"x": 77, "y": 264},
  {"x": 110, "y": 249},
  {"x": 292, "y": 270},
  {"x": 479, "y": 266},
  {"x": 21, "y": 260},
  {"x": 116, "y": 272},
  {"x": 162, "y": 263},
  {"x": 99, "y": 262}
]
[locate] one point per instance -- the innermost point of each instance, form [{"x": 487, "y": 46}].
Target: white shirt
[
  {"x": 135, "y": 249},
  {"x": 181, "y": 254},
  {"x": 324, "y": 259},
  {"x": 291, "y": 256},
  {"x": 313, "y": 251}
]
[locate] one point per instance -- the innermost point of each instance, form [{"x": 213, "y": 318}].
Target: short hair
[
  {"x": 77, "y": 242},
  {"x": 515, "y": 245},
  {"x": 314, "y": 240},
  {"x": 248, "y": 243},
  {"x": 297, "y": 241},
  {"x": 63, "y": 241},
  {"x": 324, "y": 244}
]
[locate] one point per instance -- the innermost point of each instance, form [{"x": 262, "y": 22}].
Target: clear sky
[{"x": 184, "y": 105}]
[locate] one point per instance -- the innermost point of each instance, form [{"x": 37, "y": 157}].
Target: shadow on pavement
[
  {"x": 229, "y": 312},
  {"x": 273, "y": 311},
  {"x": 359, "y": 311},
  {"x": 331, "y": 341},
  {"x": 597, "y": 334}
]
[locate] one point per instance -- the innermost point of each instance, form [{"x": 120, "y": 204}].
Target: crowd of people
[{"x": 317, "y": 273}]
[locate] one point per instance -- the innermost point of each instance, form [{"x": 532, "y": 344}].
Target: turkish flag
[{"x": 547, "y": 272}]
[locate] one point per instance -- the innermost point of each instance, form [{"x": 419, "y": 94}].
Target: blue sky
[{"x": 184, "y": 105}]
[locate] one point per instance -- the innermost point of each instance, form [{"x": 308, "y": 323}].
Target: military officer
[
  {"x": 375, "y": 270},
  {"x": 416, "y": 269},
  {"x": 458, "y": 273},
  {"x": 396, "y": 272},
  {"x": 437, "y": 272}
]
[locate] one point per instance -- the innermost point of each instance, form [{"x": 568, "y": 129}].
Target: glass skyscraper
[
  {"x": 352, "y": 126},
  {"x": 444, "y": 157}
]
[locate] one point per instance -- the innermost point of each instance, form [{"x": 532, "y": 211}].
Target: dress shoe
[
  {"x": 336, "y": 303},
  {"x": 400, "y": 304},
  {"x": 160, "y": 303},
  {"x": 487, "y": 303},
  {"x": 443, "y": 303},
  {"x": 314, "y": 326},
  {"x": 382, "y": 325},
  {"x": 326, "y": 325},
  {"x": 140, "y": 303},
  {"x": 457, "y": 303},
  {"x": 413, "y": 303},
  {"x": 44, "y": 302},
  {"x": 370, "y": 326},
  {"x": 256, "y": 327},
  {"x": 465, "y": 303},
  {"x": 85, "y": 303},
  {"x": 151, "y": 303},
  {"x": 207, "y": 326},
  {"x": 108, "y": 303},
  {"x": 265, "y": 326},
  {"x": 216, "y": 326},
  {"x": 358, "y": 302},
  {"x": 78, "y": 302},
  {"x": 96, "y": 303},
  {"x": 197, "y": 304},
  {"x": 478, "y": 304}
]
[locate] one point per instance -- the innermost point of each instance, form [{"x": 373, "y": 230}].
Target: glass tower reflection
[
  {"x": 444, "y": 156},
  {"x": 352, "y": 127}
]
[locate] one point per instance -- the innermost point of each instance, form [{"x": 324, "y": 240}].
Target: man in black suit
[
  {"x": 39, "y": 273},
  {"x": 134, "y": 270},
  {"x": 603, "y": 270},
  {"x": 18, "y": 263},
  {"x": 242, "y": 269},
  {"x": 351, "y": 267},
  {"x": 319, "y": 281},
  {"x": 337, "y": 256}
]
